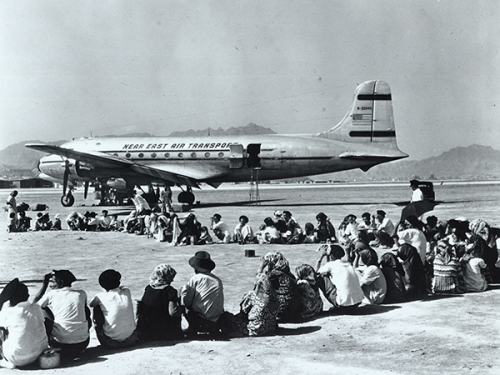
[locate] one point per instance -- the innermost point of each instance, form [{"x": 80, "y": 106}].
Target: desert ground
[{"x": 433, "y": 334}]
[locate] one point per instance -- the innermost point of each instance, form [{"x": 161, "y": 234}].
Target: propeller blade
[
  {"x": 85, "y": 189},
  {"x": 65, "y": 178}
]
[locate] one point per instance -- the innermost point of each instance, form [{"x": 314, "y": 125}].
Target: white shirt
[
  {"x": 204, "y": 295},
  {"x": 387, "y": 226},
  {"x": 140, "y": 203},
  {"x": 27, "y": 338},
  {"x": 415, "y": 238},
  {"x": 345, "y": 279},
  {"x": 417, "y": 195},
  {"x": 118, "y": 310},
  {"x": 68, "y": 307}
]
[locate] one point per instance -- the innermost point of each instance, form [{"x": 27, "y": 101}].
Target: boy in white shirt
[{"x": 114, "y": 313}]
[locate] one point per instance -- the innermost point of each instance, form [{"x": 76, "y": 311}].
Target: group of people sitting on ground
[
  {"x": 169, "y": 227},
  {"x": 460, "y": 256}
]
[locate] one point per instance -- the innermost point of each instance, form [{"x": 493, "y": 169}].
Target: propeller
[
  {"x": 66, "y": 176},
  {"x": 85, "y": 189}
]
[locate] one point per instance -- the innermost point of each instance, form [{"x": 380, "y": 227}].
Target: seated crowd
[{"x": 438, "y": 257}]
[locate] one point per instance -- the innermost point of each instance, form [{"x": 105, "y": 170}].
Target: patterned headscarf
[
  {"x": 274, "y": 260},
  {"x": 481, "y": 228},
  {"x": 162, "y": 275},
  {"x": 264, "y": 290}
]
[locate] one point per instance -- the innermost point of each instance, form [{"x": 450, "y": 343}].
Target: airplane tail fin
[{"x": 370, "y": 118}]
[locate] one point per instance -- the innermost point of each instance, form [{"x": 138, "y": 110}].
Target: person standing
[
  {"x": 12, "y": 206},
  {"x": 166, "y": 200}
]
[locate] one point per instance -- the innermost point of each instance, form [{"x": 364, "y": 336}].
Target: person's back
[
  {"x": 23, "y": 320},
  {"x": 474, "y": 280},
  {"x": 345, "y": 279},
  {"x": 204, "y": 295},
  {"x": 68, "y": 307},
  {"x": 116, "y": 305}
]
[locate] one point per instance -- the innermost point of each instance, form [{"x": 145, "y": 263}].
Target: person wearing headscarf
[
  {"x": 68, "y": 316},
  {"x": 276, "y": 266},
  {"x": 114, "y": 313},
  {"x": 26, "y": 338},
  {"x": 447, "y": 270},
  {"x": 258, "y": 309},
  {"x": 414, "y": 269},
  {"x": 474, "y": 265},
  {"x": 394, "y": 276},
  {"x": 409, "y": 232},
  {"x": 310, "y": 302},
  {"x": 324, "y": 230},
  {"x": 482, "y": 236},
  {"x": 159, "y": 311},
  {"x": 371, "y": 278}
]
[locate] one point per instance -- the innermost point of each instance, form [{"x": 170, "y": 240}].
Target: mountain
[
  {"x": 249, "y": 129},
  {"x": 17, "y": 156}
]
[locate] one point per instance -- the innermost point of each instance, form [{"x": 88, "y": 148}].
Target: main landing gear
[{"x": 186, "y": 197}]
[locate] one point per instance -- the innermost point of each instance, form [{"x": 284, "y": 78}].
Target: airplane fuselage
[{"x": 230, "y": 158}]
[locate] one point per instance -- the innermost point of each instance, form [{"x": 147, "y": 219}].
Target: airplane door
[{"x": 235, "y": 156}]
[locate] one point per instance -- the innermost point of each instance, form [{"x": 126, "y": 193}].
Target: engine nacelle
[{"x": 55, "y": 165}]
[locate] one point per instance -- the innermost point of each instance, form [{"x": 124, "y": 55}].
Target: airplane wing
[{"x": 179, "y": 175}]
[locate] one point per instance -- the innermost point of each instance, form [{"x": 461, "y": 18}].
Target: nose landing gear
[{"x": 67, "y": 200}]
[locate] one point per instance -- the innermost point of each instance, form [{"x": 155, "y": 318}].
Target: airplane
[{"x": 365, "y": 137}]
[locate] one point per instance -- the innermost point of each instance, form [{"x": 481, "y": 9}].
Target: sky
[{"x": 71, "y": 69}]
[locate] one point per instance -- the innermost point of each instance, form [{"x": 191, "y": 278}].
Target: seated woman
[
  {"x": 324, "y": 231},
  {"x": 447, "y": 270},
  {"x": 394, "y": 276},
  {"x": 205, "y": 237},
  {"x": 114, "y": 313},
  {"x": 243, "y": 233},
  {"x": 371, "y": 278},
  {"x": 275, "y": 265},
  {"x": 308, "y": 233},
  {"x": 310, "y": 302},
  {"x": 270, "y": 234},
  {"x": 414, "y": 269},
  {"x": 22, "y": 332},
  {"x": 190, "y": 230},
  {"x": 473, "y": 268},
  {"x": 159, "y": 312},
  {"x": 258, "y": 310}
]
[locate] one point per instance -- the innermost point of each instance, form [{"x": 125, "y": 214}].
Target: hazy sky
[{"x": 69, "y": 68}]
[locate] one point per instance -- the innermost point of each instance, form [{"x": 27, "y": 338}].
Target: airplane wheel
[
  {"x": 67, "y": 200},
  {"x": 186, "y": 197}
]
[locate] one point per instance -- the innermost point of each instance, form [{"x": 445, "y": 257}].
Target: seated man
[
  {"x": 221, "y": 230},
  {"x": 114, "y": 313},
  {"x": 384, "y": 231},
  {"x": 67, "y": 315},
  {"x": 203, "y": 296},
  {"x": 22, "y": 333},
  {"x": 105, "y": 221},
  {"x": 338, "y": 280}
]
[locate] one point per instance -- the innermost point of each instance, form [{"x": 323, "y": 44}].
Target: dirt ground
[{"x": 434, "y": 334}]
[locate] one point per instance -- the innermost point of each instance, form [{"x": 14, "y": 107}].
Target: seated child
[{"x": 114, "y": 313}]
